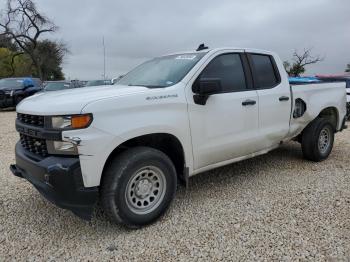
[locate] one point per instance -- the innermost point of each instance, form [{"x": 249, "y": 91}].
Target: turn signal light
[{"x": 81, "y": 121}]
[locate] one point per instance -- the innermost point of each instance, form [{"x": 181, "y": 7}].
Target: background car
[
  {"x": 98, "y": 83},
  {"x": 14, "y": 90},
  {"x": 61, "y": 85}
]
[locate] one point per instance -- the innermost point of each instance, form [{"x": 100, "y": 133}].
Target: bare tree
[
  {"x": 300, "y": 60},
  {"x": 22, "y": 22}
]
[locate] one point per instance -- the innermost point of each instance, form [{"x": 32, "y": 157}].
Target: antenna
[
  {"x": 202, "y": 47},
  {"x": 104, "y": 58}
]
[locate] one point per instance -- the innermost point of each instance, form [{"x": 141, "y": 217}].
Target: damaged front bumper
[{"x": 58, "y": 179}]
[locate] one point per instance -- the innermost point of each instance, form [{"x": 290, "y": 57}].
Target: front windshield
[
  {"x": 56, "y": 86},
  {"x": 161, "y": 71},
  {"x": 11, "y": 83}
]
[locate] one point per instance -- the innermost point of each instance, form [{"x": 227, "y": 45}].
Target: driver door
[{"x": 226, "y": 127}]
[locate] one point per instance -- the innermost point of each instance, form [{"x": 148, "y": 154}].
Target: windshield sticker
[{"x": 185, "y": 57}]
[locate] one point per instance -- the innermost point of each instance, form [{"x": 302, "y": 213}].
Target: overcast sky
[{"x": 138, "y": 30}]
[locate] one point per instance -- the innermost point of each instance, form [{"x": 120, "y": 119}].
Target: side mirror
[
  {"x": 207, "y": 86},
  {"x": 115, "y": 80},
  {"x": 204, "y": 87}
]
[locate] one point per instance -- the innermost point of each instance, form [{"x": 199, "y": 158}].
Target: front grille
[
  {"x": 34, "y": 145},
  {"x": 32, "y": 120},
  {"x": 2, "y": 95}
]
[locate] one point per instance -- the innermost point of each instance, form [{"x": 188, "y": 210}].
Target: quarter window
[
  {"x": 228, "y": 69},
  {"x": 265, "y": 74}
]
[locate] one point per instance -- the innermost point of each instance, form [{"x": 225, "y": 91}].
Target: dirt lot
[{"x": 276, "y": 206}]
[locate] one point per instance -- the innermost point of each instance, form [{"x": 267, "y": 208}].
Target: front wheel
[
  {"x": 317, "y": 140},
  {"x": 138, "y": 186}
]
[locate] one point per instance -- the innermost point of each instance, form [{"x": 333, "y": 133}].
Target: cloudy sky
[{"x": 137, "y": 30}]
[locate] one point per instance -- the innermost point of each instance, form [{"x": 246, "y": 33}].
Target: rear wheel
[
  {"x": 138, "y": 186},
  {"x": 317, "y": 140}
]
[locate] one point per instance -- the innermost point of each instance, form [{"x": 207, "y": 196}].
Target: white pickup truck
[{"x": 170, "y": 118}]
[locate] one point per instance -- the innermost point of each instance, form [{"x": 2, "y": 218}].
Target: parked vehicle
[
  {"x": 14, "y": 90},
  {"x": 98, "y": 83},
  {"x": 60, "y": 85},
  {"x": 168, "y": 119},
  {"x": 83, "y": 83}
]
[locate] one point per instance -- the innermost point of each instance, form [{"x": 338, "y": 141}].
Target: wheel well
[
  {"x": 164, "y": 142},
  {"x": 331, "y": 114}
]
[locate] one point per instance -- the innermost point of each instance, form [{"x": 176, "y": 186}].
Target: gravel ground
[{"x": 276, "y": 206}]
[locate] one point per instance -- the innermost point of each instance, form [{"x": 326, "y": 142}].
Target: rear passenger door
[{"x": 274, "y": 99}]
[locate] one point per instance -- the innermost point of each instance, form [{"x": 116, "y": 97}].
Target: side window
[
  {"x": 265, "y": 74},
  {"x": 229, "y": 69}
]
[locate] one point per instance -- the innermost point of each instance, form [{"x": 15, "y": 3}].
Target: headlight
[
  {"x": 67, "y": 122},
  {"x": 71, "y": 122},
  {"x": 9, "y": 92}
]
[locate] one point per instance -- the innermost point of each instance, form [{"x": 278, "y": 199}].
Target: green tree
[
  {"x": 51, "y": 57},
  {"x": 24, "y": 25},
  {"x": 11, "y": 65},
  {"x": 5, "y": 62}
]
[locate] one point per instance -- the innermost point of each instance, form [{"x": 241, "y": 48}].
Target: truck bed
[{"x": 327, "y": 95}]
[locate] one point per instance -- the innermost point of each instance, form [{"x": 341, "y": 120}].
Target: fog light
[{"x": 64, "y": 146}]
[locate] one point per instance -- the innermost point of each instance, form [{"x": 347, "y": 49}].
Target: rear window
[{"x": 265, "y": 74}]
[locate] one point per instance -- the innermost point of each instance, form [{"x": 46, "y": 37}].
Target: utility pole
[{"x": 104, "y": 58}]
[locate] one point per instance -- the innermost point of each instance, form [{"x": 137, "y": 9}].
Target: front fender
[{"x": 127, "y": 117}]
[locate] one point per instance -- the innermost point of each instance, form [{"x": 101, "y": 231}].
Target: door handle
[
  {"x": 284, "y": 98},
  {"x": 248, "y": 102}
]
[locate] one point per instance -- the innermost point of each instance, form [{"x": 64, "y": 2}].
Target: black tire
[
  {"x": 311, "y": 137},
  {"x": 122, "y": 171}
]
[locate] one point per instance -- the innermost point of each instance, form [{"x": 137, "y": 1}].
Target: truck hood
[{"x": 72, "y": 101}]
